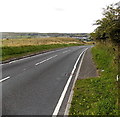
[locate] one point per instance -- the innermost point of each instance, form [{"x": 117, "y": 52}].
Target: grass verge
[
  {"x": 19, "y": 51},
  {"x": 98, "y": 96}
]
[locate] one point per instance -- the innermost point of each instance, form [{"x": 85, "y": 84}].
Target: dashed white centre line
[
  {"x": 32, "y": 56},
  {"x": 46, "y": 60},
  {"x": 66, "y": 51},
  {"x": 4, "y": 79}
]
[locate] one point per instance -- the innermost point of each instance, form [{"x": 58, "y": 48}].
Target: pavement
[{"x": 34, "y": 85}]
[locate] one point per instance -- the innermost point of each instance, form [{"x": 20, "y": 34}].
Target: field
[
  {"x": 15, "y": 48},
  {"x": 98, "y": 96},
  {"x": 39, "y": 41}
]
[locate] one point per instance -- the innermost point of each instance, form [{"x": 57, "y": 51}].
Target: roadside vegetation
[
  {"x": 100, "y": 95},
  {"x": 15, "y": 48}
]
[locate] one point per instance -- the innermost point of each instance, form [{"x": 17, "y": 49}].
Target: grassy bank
[
  {"x": 18, "y": 51},
  {"x": 98, "y": 96}
]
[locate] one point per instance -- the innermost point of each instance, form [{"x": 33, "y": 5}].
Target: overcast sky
[{"x": 47, "y": 16}]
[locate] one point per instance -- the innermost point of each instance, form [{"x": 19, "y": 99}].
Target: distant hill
[{"x": 14, "y": 35}]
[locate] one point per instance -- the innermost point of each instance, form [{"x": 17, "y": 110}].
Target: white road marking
[
  {"x": 55, "y": 113},
  {"x": 46, "y": 60},
  {"x": 4, "y": 79},
  {"x": 12, "y": 62},
  {"x": 34, "y": 56},
  {"x": 66, "y": 51},
  {"x": 72, "y": 90}
]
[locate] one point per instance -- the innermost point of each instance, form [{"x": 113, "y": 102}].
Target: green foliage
[
  {"x": 13, "y": 52},
  {"x": 98, "y": 96},
  {"x": 109, "y": 26}
]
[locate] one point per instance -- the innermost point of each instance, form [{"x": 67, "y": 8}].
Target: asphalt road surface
[{"x": 33, "y": 85}]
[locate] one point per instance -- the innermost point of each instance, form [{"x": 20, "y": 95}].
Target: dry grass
[{"x": 39, "y": 41}]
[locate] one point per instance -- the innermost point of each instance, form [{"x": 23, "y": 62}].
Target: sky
[{"x": 51, "y": 16}]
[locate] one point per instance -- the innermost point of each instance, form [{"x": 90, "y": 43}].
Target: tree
[{"x": 109, "y": 26}]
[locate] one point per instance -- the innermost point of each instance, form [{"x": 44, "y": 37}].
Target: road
[{"x": 33, "y": 85}]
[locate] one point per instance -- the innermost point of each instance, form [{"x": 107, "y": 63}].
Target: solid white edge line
[
  {"x": 72, "y": 91},
  {"x": 46, "y": 60},
  {"x": 56, "y": 110},
  {"x": 4, "y": 79}
]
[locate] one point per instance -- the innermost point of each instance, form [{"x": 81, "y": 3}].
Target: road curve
[{"x": 33, "y": 85}]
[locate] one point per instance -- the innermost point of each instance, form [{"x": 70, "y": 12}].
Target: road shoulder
[
  {"x": 87, "y": 70},
  {"x": 88, "y": 67}
]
